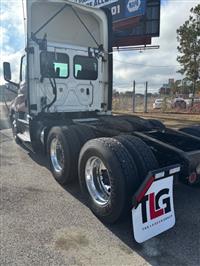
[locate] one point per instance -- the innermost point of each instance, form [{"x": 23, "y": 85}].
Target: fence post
[
  {"x": 134, "y": 96},
  {"x": 146, "y": 97}
]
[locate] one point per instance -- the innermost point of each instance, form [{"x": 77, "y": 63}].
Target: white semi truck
[{"x": 64, "y": 109}]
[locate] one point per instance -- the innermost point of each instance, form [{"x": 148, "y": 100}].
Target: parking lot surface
[{"x": 43, "y": 223}]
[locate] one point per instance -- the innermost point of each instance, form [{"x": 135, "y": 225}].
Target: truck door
[{"x": 21, "y": 103}]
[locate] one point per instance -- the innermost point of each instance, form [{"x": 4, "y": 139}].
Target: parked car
[
  {"x": 179, "y": 103},
  {"x": 158, "y": 104}
]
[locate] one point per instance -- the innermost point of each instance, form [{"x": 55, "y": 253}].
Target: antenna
[{"x": 24, "y": 21}]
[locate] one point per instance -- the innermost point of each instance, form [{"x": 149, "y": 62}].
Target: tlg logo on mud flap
[
  {"x": 153, "y": 201},
  {"x": 154, "y": 212}
]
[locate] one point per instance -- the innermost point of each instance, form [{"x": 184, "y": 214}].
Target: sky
[{"x": 155, "y": 66}]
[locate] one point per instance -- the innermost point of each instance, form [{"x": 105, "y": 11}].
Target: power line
[
  {"x": 156, "y": 66},
  {"x": 182, "y": 1}
]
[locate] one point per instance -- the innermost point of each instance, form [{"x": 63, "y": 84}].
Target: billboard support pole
[{"x": 145, "y": 97}]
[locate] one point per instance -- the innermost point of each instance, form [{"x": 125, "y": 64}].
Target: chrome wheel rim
[
  {"x": 97, "y": 181},
  {"x": 57, "y": 155}
]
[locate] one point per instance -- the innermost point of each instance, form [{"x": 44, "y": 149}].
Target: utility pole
[
  {"x": 145, "y": 97},
  {"x": 134, "y": 96}
]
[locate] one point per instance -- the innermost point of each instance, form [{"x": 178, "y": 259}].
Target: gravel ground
[
  {"x": 42, "y": 223},
  {"x": 172, "y": 120}
]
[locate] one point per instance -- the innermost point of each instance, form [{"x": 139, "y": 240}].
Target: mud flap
[{"x": 153, "y": 204}]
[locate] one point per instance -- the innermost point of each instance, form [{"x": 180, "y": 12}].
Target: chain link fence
[{"x": 127, "y": 102}]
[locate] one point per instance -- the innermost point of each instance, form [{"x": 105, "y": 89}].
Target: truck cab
[{"x": 67, "y": 66}]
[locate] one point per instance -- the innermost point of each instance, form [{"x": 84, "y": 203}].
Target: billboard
[
  {"x": 120, "y": 9},
  {"x": 135, "y": 22}
]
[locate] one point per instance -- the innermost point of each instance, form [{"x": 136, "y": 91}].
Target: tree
[
  {"x": 189, "y": 47},
  {"x": 175, "y": 87}
]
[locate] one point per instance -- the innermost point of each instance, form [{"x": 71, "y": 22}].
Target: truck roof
[{"x": 72, "y": 23}]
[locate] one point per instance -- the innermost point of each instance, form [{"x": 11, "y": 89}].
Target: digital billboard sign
[
  {"x": 135, "y": 22},
  {"x": 120, "y": 9}
]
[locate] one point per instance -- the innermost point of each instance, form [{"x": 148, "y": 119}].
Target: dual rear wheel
[
  {"x": 110, "y": 174},
  {"x": 110, "y": 170}
]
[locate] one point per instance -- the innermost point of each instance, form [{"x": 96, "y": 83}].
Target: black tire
[
  {"x": 71, "y": 147},
  {"x": 137, "y": 122},
  {"x": 123, "y": 176},
  {"x": 74, "y": 147},
  {"x": 156, "y": 124},
  {"x": 137, "y": 157},
  {"x": 84, "y": 133},
  {"x": 117, "y": 123},
  {"x": 145, "y": 152},
  {"x": 193, "y": 130}
]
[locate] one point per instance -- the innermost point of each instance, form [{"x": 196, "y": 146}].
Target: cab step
[{"x": 25, "y": 137}]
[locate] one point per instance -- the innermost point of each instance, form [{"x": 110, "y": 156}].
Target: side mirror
[{"x": 7, "y": 71}]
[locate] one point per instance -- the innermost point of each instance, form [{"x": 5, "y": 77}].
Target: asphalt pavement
[{"x": 42, "y": 223}]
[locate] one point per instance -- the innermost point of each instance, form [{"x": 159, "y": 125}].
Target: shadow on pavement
[
  {"x": 180, "y": 244},
  {"x": 38, "y": 158}
]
